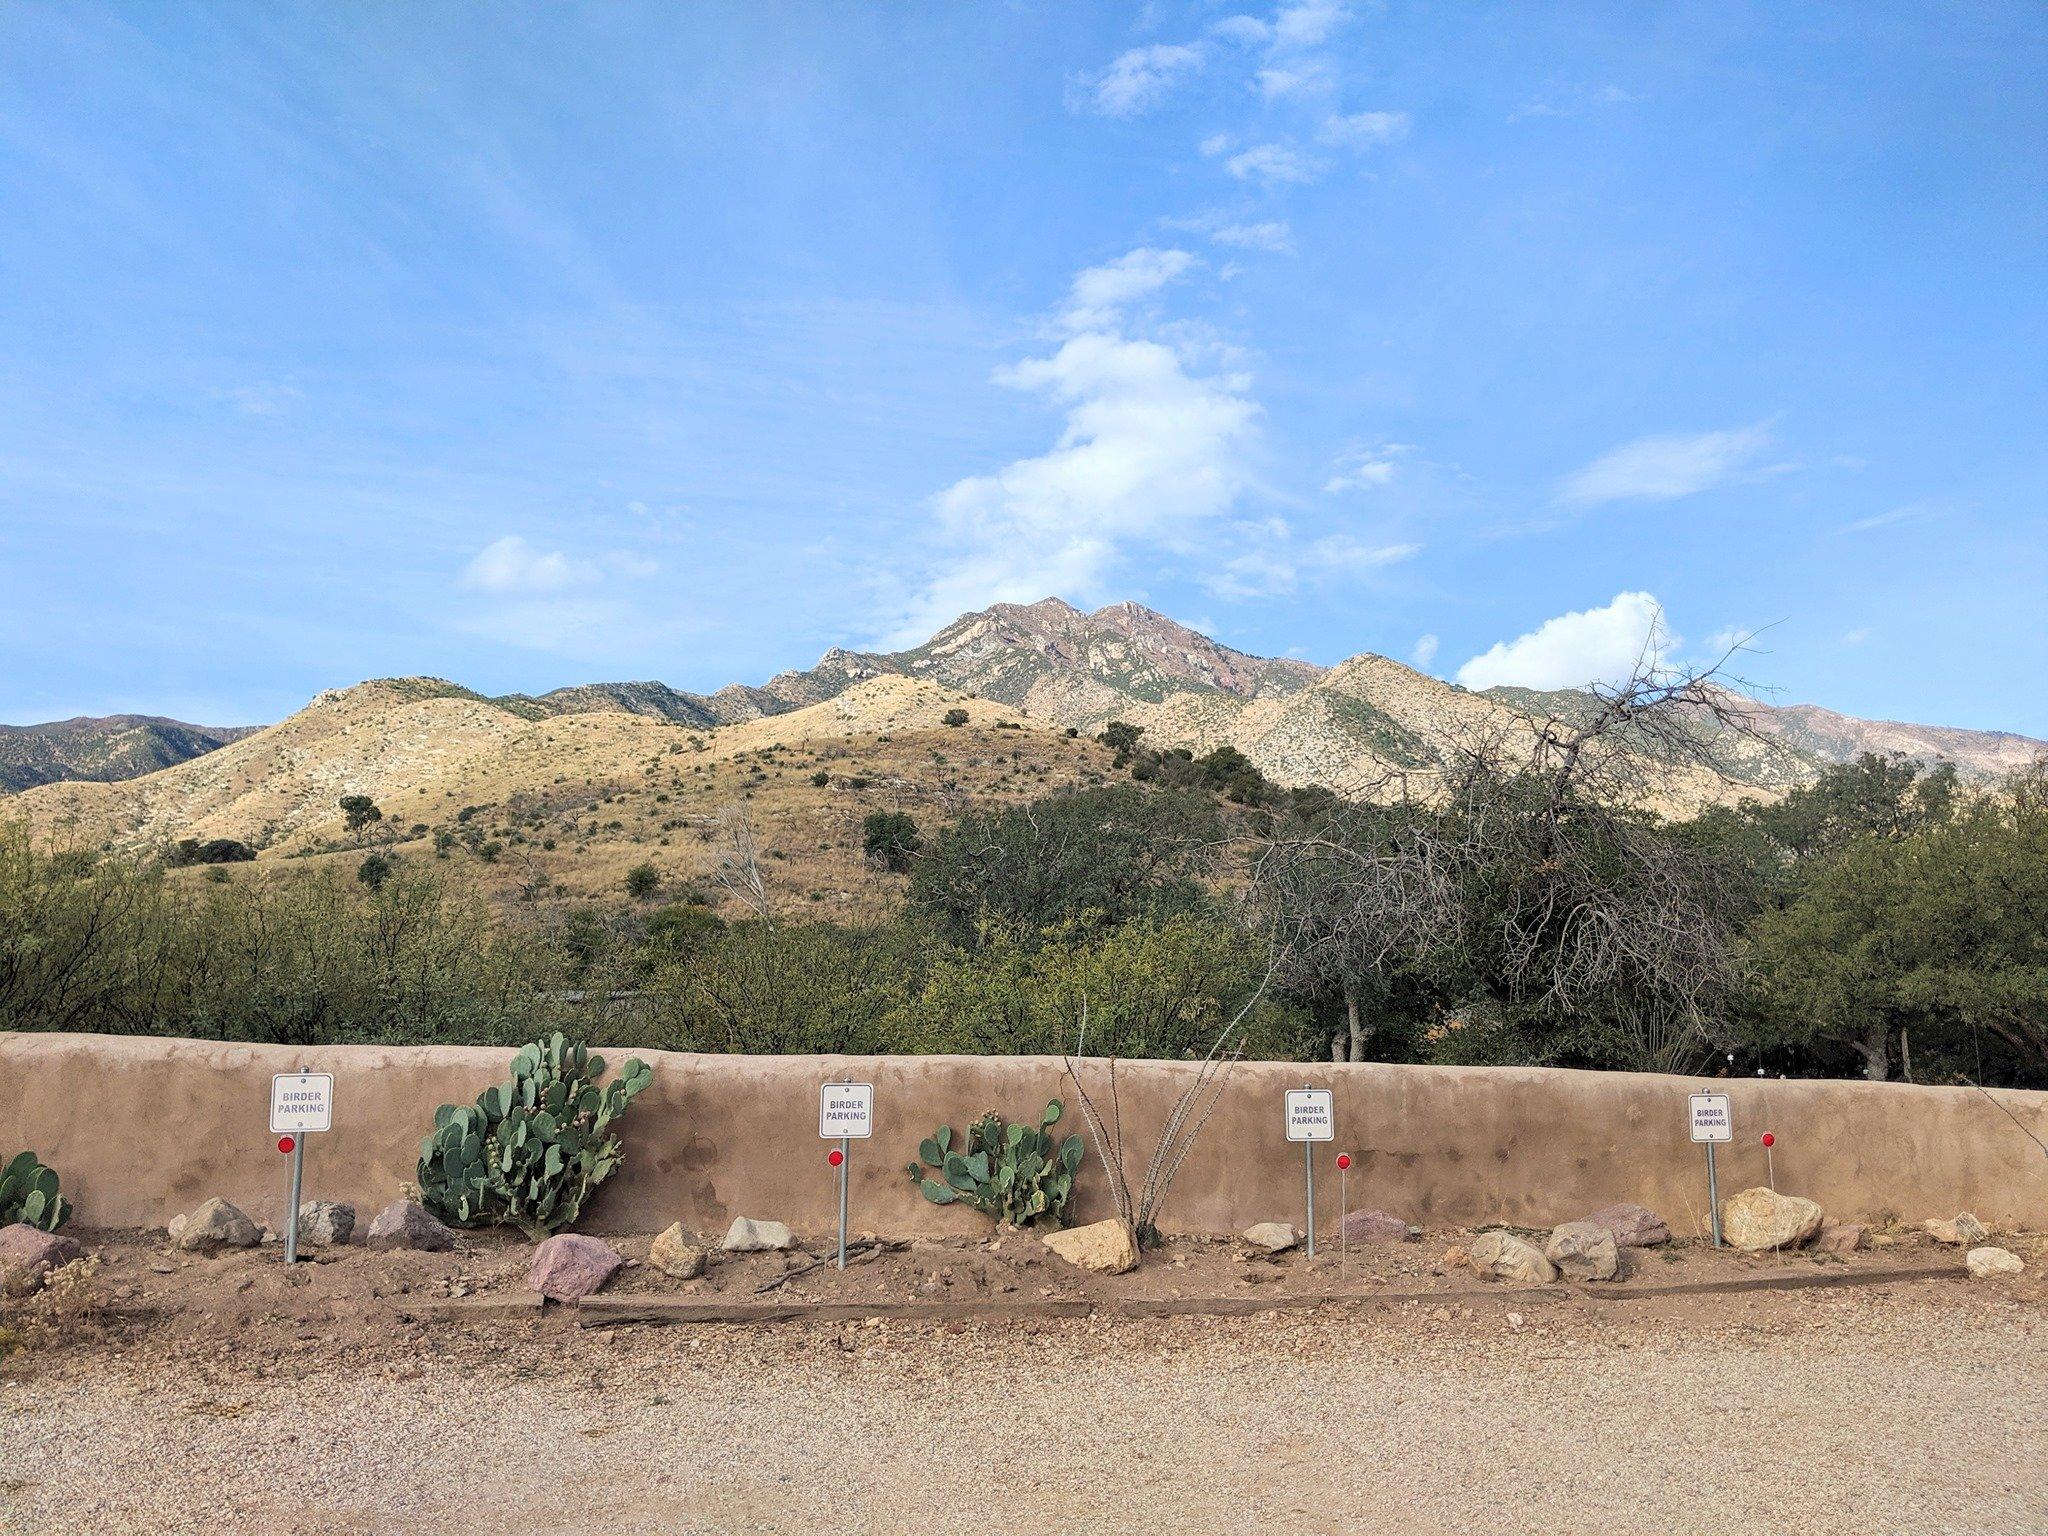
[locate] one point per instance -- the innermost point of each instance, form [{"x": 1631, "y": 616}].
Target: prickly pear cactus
[
  {"x": 1014, "y": 1173},
  {"x": 28, "y": 1192},
  {"x": 529, "y": 1151}
]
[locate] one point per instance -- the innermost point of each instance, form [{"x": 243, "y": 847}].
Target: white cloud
[
  {"x": 1903, "y": 514},
  {"x": 1665, "y": 467},
  {"x": 1148, "y": 452},
  {"x": 511, "y": 564},
  {"x": 1141, "y": 78},
  {"x": 1272, "y": 562},
  {"x": 1305, "y": 23},
  {"x": 1272, "y": 164},
  {"x": 1858, "y": 635},
  {"x": 1301, "y": 78},
  {"x": 1273, "y": 235},
  {"x": 1366, "y": 469},
  {"x": 1574, "y": 649},
  {"x": 262, "y": 399},
  {"x": 1100, "y": 295},
  {"x": 1243, "y": 29},
  {"x": 1423, "y": 652},
  {"x": 1361, "y": 130}
]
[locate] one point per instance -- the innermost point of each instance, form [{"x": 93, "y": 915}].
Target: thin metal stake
[
  {"x": 845, "y": 1165},
  {"x": 1343, "y": 1217},
  {"x": 1308, "y": 1164},
  {"x": 291, "y": 1220},
  {"x": 1713, "y": 1194}
]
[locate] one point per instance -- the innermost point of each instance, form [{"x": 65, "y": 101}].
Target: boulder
[
  {"x": 214, "y": 1226},
  {"x": 326, "y": 1223},
  {"x": 1362, "y": 1227},
  {"x": 1633, "y": 1226},
  {"x": 570, "y": 1266},
  {"x": 676, "y": 1256},
  {"x": 408, "y": 1224},
  {"x": 1761, "y": 1219},
  {"x": 1840, "y": 1237},
  {"x": 1104, "y": 1246},
  {"x": 1271, "y": 1236},
  {"x": 747, "y": 1235},
  {"x": 1992, "y": 1263},
  {"x": 28, "y": 1254},
  {"x": 1583, "y": 1251},
  {"x": 1963, "y": 1232},
  {"x": 1504, "y": 1256}
]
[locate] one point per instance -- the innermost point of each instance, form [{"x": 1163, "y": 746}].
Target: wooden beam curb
[{"x": 609, "y": 1311}]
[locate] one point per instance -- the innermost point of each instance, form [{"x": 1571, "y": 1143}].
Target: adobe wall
[{"x": 142, "y": 1128}]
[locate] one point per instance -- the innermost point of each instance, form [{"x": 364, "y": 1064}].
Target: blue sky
[{"x": 530, "y": 346}]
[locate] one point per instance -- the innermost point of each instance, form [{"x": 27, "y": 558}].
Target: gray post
[
  {"x": 1713, "y": 1194},
  {"x": 845, "y": 1167},
  {"x": 291, "y": 1219},
  {"x": 1343, "y": 1212},
  {"x": 1308, "y": 1164}
]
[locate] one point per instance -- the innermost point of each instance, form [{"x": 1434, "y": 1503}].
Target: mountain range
[{"x": 639, "y": 766}]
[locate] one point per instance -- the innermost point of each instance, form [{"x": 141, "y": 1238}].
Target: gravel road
[{"x": 1915, "y": 1409}]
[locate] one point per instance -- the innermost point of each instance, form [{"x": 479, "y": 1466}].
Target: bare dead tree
[{"x": 738, "y": 867}]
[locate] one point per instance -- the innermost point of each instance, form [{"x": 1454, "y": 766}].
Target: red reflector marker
[
  {"x": 285, "y": 1143},
  {"x": 835, "y": 1157},
  {"x": 1343, "y": 1159},
  {"x": 1770, "y": 1140}
]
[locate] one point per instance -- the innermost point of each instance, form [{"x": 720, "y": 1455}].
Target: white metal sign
[
  {"x": 301, "y": 1101},
  {"x": 846, "y": 1111},
  {"x": 1310, "y": 1115},
  {"x": 1710, "y": 1118}
]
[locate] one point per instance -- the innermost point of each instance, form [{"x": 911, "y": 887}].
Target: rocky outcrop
[
  {"x": 1106, "y": 1247},
  {"x": 408, "y": 1224},
  {"x": 675, "y": 1255},
  {"x": 214, "y": 1226},
  {"x": 1361, "y": 1228},
  {"x": 1504, "y": 1256},
  {"x": 1960, "y": 1232},
  {"x": 1633, "y": 1226},
  {"x": 1583, "y": 1251},
  {"x": 1760, "y": 1219},
  {"x": 746, "y": 1235},
  {"x": 1270, "y": 1237},
  {"x": 570, "y": 1266},
  {"x": 1992, "y": 1264}
]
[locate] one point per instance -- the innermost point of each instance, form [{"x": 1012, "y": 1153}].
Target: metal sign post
[
  {"x": 300, "y": 1102},
  {"x": 1343, "y": 1212},
  {"x": 1711, "y": 1122},
  {"x": 846, "y": 1112},
  {"x": 1311, "y": 1117}
]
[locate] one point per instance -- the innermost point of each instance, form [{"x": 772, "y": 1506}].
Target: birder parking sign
[
  {"x": 1310, "y": 1115},
  {"x": 1711, "y": 1120},
  {"x": 301, "y": 1102},
  {"x": 846, "y": 1111}
]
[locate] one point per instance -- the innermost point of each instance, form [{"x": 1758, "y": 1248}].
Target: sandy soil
[{"x": 222, "y": 1395}]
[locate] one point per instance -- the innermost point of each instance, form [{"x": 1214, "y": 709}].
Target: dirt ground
[{"x": 361, "y": 1394}]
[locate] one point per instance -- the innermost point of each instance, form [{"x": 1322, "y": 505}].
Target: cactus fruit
[
  {"x": 529, "y": 1151},
  {"x": 1014, "y": 1173}
]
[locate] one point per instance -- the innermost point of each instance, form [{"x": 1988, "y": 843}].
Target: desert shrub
[
  {"x": 216, "y": 850},
  {"x": 889, "y": 839},
  {"x": 811, "y": 988},
  {"x": 642, "y": 881},
  {"x": 954, "y": 717},
  {"x": 28, "y": 1192},
  {"x": 358, "y": 811},
  {"x": 1014, "y": 1173},
  {"x": 374, "y": 870},
  {"x": 529, "y": 1152}
]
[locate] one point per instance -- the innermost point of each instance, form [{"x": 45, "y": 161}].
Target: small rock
[
  {"x": 1362, "y": 1227},
  {"x": 1583, "y": 1250},
  {"x": 1962, "y": 1232},
  {"x": 570, "y": 1266},
  {"x": 1992, "y": 1263},
  {"x": 216, "y": 1225},
  {"x": 1760, "y": 1219},
  {"x": 1271, "y": 1236},
  {"x": 676, "y": 1256},
  {"x": 326, "y": 1223},
  {"x": 1504, "y": 1256},
  {"x": 747, "y": 1235},
  {"x": 1453, "y": 1258},
  {"x": 408, "y": 1224},
  {"x": 1104, "y": 1246},
  {"x": 1515, "y": 1321},
  {"x": 175, "y": 1229},
  {"x": 1633, "y": 1226},
  {"x": 28, "y": 1254},
  {"x": 1840, "y": 1237}
]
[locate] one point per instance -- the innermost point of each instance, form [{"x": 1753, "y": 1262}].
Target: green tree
[
  {"x": 954, "y": 717},
  {"x": 358, "y": 812},
  {"x": 1095, "y": 855},
  {"x": 642, "y": 881},
  {"x": 374, "y": 870},
  {"x": 889, "y": 838}
]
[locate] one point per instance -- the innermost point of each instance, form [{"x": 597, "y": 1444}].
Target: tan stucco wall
[{"x": 140, "y": 1129}]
